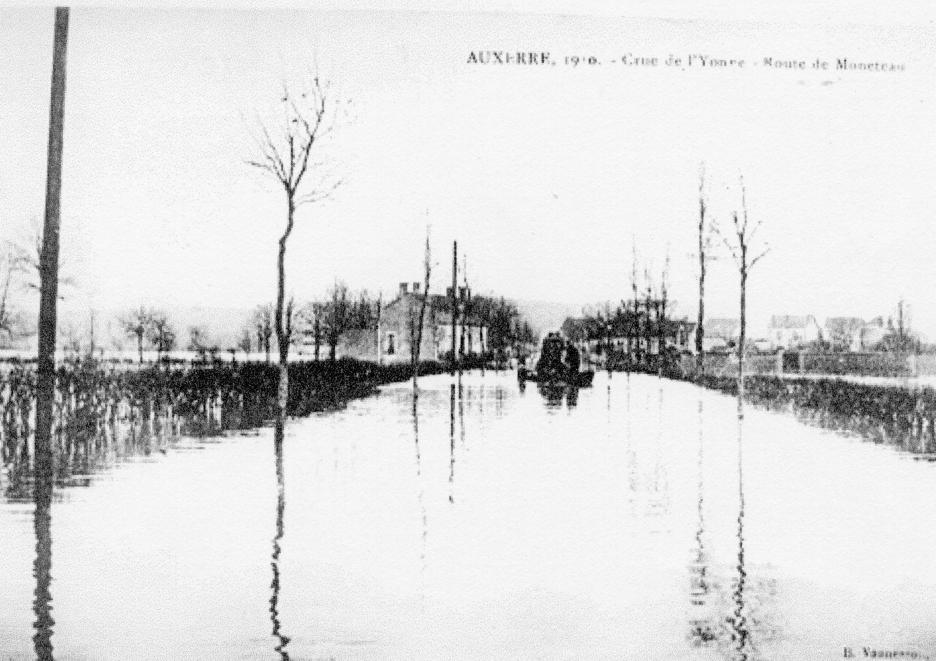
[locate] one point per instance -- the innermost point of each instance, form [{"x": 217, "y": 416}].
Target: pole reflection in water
[
  {"x": 282, "y": 640},
  {"x": 632, "y": 482},
  {"x": 461, "y": 414},
  {"x": 419, "y": 493},
  {"x": 452, "y": 443},
  {"x": 42, "y": 567},
  {"x": 738, "y": 620}
]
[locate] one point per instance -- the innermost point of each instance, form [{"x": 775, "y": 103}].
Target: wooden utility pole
[
  {"x": 454, "y": 300},
  {"x": 48, "y": 260}
]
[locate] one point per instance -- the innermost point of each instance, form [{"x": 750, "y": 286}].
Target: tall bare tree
[
  {"x": 160, "y": 333},
  {"x": 662, "y": 324},
  {"x": 244, "y": 343},
  {"x": 417, "y": 321},
  {"x": 135, "y": 323},
  {"x": 705, "y": 240},
  {"x": 337, "y": 316},
  {"x": 285, "y": 154},
  {"x": 740, "y": 244},
  {"x": 262, "y": 320},
  {"x": 198, "y": 338},
  {"x": 635, "y": 325}
]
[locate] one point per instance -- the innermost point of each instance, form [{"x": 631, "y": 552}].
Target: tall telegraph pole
[{"x": 48, "y": 260}]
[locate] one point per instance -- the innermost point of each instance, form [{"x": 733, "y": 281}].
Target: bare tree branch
[{"x": 287, "y": 160}]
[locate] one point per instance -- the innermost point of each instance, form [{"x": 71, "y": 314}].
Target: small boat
[{"x": 577, "y": 380}]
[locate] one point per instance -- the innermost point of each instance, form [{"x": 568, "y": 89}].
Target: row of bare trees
[
  {"x": 642, "y": 320},
  {"x": 740, "y": 239}
]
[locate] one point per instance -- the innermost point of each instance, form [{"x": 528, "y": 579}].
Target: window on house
[{"x": 391, "y": 344}]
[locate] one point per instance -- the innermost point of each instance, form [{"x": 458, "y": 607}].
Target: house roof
[
  {"x": 721, "y": 327},
  {"x": 778, "y": 321},
  {"x": 844, "y": 324},
  {"x": 436, "y": 303}
]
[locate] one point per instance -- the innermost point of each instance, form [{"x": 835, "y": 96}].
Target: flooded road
[{"x": 636, "y": 520}]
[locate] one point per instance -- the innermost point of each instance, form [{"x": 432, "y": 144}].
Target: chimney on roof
[
  {"x": 403, "y": 288},
  {"x": 415, "y": 287},
  {"x": 461, "y": 292}
]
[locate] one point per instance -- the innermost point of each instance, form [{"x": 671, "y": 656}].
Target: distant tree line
[{"x": 642, "y": 320}]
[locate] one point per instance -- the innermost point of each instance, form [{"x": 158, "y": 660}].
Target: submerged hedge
[
  {"x": 102, "y": 410},
  {"x": 884, "y": 413}
]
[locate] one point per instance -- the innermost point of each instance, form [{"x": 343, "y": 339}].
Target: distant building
[
  {"x": 683, "y": 334},
  {"x": 400, "y": 317},
  {"x": 720, "y": 334},
  {"x": 844, "y": 333},
  {"x": 872, "y": 334},
  {"x": 787, "y": 331},
  {"x": 678, "y": 334}
]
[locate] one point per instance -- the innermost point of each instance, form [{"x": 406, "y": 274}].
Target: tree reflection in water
[
  {"x": 281, "y": 640},
  {"x": 730, "y": 608},
  {"x": 700, "y": 624},
  {"x": 42, "y": 567},
  {"x": 738, "y": 620}
]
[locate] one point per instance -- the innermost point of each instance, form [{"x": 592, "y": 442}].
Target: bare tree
[
  {"x": 649, "y": 304},
  {"x": 11, "y": 269},
  {"x": 286, "y": 155},
  {"x": 198, "y": 338},
  {"x": 662, "y": 323},
  {"x": 262, "y": 321},
  {"x": 135, "y": 324},
  {"x": 418, "y": 321},
  {"x": 26, "y": 251},
  {"x": 160, "y": 333},
  {"x": 70, "y": 340},
  {"x": 337, "y": 315},
  {"x": 740, "y": 244},
  {"x": 705, "y": 241},
  {"x": 244, "y": 343},
  {"x": 635, "y": 324}
]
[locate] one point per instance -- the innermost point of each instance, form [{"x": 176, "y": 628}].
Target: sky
[{"x": 549, "y": 177}]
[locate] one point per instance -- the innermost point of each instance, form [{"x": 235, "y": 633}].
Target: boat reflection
[{"x": 555, "y": 393}]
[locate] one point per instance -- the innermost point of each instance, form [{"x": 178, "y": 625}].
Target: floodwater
[{"x": 637, "y": 519}]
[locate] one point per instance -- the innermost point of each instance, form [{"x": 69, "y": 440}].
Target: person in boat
[
  {"x": 572, "y": 359},
  {"x": 550, "y": 364}
]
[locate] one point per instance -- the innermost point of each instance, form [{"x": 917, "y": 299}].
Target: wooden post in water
[{"x": 48, "y": 259}]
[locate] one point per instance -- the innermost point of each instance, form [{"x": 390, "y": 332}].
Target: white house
[{"x": 788, "y": 331}]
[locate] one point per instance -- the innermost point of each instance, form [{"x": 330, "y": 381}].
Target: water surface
[{"x": 633, "y": 520}]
